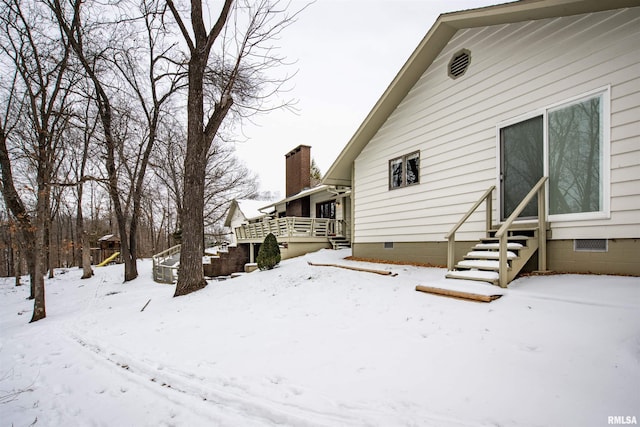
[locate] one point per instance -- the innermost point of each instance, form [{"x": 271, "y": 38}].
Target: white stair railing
[{"x": 163, "y": 271}]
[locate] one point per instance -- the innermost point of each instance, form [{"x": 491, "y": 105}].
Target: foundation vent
[
  {"x": 388, "y": 245},
  {"x": 591, "y": 245}
]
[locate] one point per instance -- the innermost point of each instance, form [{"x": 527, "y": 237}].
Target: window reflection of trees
[
  {"x": 396, "y": 173},
  {"x": 522, "y": 167},
  {"x": 412, "y": 169},
  {"x": 574, "y": 158}
]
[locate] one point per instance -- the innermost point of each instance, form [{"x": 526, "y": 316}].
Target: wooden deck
[{"x": 290, "y": 229}]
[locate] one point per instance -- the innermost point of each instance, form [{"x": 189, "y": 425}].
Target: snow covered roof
[
  {"x": 250, "y": 209},
  {"x": 303, "y": 193},
  {"x": 109, "y": 237}
]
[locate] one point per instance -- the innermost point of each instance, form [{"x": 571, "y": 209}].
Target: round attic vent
[{"x": 459, "y": 63}]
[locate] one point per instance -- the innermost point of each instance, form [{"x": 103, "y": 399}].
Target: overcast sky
[{"x": 347, "y": 53}]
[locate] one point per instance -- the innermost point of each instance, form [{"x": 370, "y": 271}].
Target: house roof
[
  {"x": 250, "y": 209},
  {"x": 299, "y": 195},
  {"x": 432, "y": 44}
]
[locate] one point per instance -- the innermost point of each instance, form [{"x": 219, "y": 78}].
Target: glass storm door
[{"x": 522, "y": 165}]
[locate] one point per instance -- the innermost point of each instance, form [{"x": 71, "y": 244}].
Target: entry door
[{"x": 522, "y": 165}]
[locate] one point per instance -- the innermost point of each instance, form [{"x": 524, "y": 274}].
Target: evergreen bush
[{"x": 269, "y": 253}]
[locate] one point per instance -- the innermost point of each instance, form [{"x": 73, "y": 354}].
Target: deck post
[
  {"x": 451, "y": 251},
  {"x": 542, "y": 229},
  {"x": 489, "y": 214},
  {"x": 503, "y": 273}
]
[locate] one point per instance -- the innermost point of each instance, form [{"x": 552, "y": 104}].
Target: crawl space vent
[
  {"x": 459, "y": 63},
  {"x": 590, "y": 245}
]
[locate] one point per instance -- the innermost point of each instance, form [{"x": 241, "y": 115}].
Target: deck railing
[
  {"x": 291, "y": 227},
  {"x": 165, "y": 265}
]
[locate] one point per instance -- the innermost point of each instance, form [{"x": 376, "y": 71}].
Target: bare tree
[
  {"x": 148, "y": 72},
  {"x": 226, "y": 177},
  {"x": 40, "y": 61},
  {"x": 234, "y": 75},
  {"x": 81, "y": 135}
]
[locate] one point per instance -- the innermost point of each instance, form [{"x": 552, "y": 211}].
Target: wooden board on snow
[
  {"x": 348, "y": 267},
  {"x": 457, "y": 294}
]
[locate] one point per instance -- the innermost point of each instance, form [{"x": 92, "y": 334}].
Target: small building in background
[{"x": 108, "y": 246}]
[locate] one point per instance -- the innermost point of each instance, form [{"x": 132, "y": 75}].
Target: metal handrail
[
  {"x": 451, "y": 235},
  {"x": 502, "y": 233}
]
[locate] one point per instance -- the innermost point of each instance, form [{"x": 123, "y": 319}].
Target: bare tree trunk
[
  {"x": 191, "y": 274},
  {"x": 82, "y": 237},
  {"x": 199, "y": 138},
  {"x": 24, "y": 225},
  {"x": 17, "y": 266},
  {"x": 37, "y": 285}
]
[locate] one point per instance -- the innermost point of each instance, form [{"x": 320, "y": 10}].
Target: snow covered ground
[{"x": 319, "y": 346}]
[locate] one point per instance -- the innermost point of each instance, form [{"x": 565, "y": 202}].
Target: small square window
[{"x": 404, "y": 171}]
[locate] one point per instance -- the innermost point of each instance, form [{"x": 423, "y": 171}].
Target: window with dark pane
[
  {"x": 404, "y": 171},
  {"x": 412, "y": 167},
  {"x": 326, "y": 209},
  {"x": 395, "y": 170}
]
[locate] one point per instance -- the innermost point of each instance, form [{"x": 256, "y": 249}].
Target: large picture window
[
  {"x": 568, "y": 144},
  {"x": 576, "y": 158},
  {"x": 404, "y": 171}
]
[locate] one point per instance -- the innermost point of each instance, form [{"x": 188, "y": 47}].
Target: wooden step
[
  {"x": 496, "y": 246},
  {"x": 482, "y": 263},
  {"x": 340, "y": 242},
  {"x": 509, "y": 239},
  {"x": 482, "y": 276},
  {"x": 479, "y": 264},
  {"x": 489, "y": 255}
]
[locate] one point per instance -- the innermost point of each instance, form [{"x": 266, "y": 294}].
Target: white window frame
[{"x": 605, "y": 165}]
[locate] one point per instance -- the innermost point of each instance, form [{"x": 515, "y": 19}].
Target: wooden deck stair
[
  {"x": 340, "y": 242},
  {"x": 501, "y": 255},
  {"x": 482, "y": 263}
]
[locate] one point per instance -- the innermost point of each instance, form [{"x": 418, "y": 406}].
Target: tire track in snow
[{"x": 247, "y": 406}]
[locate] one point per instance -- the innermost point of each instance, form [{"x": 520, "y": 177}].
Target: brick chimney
[{"x": 298, "y": 169}]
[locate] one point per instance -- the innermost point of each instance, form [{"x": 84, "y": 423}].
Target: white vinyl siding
[{"x": 517, "y": 69}]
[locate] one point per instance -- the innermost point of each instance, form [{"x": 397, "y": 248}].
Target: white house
[
  {"x": 309, "y": 218},
  {"x": 242, "y": 212},
  {"x": 533, "y": 92}
]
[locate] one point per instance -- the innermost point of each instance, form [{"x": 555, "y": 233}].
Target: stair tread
[
  {"x": 510, "y": 245},
  {"x": 516, "y": 227},
  {"x": 510, "y": 238},
  {"x": 488, "y": 255},
  {"x": 479, "y": 263},
  {"x": 485, "y": 276}
]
